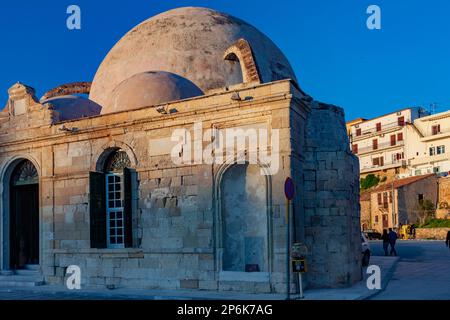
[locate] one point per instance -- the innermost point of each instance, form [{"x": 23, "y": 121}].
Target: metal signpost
[
  {"x": 289, "y": 192},
  {"x": 299, "y": 252}
]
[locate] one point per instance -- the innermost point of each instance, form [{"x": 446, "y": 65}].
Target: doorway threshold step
[
  {"x": 21, "y": 281},
  {"x": 14, "y": 284},
  {"x": 35, "y": 267},
  {"x": 26, "y": 272}
]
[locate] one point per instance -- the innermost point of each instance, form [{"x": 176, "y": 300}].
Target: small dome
[
  {"x": 190, "y": 42},
  {"x": 72, "y": 107},
  {"x": 149, "y": 89}
]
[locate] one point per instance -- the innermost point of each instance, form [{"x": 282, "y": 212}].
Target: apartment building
[
  {"x": 431, "y": 145},
  {"x": 383, "y": 145}
]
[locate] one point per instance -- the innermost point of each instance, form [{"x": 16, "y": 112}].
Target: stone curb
[{"x": 90, "y": 294}]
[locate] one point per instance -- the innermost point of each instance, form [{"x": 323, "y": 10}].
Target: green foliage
[
  {"x": 426, "y": 210},
  {"x": 370, "y": 181},
  {"x": 437, "y": 223},
  {"x": 426, "y": 205}
]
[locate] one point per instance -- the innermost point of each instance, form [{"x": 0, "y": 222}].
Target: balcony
[
  {"x": 381, "y": 147},
  {"x": 429, "y": 159},
  {"x": 383, "y": 205},
  {"x": 385, "y": 166},
  {"x": 393, "y": 126},
  {"x": 430, "y": 135}
]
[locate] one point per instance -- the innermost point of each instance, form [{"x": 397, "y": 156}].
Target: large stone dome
[
  {"x": 71, "y": 107},
  {"x": 149, "y": 89},
  {"x": 190, "y": 42}
]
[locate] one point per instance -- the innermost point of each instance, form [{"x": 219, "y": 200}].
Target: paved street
[{"x": 423, "y": 271}]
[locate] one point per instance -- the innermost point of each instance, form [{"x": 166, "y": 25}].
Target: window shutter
[
  {"x": 378, "y": 127},
  {"x": 375, "y": 144},
  {"x": 393, "y": 140},
  {"x": 97, "y": 209},
  {"x": 129, "y": 177}
]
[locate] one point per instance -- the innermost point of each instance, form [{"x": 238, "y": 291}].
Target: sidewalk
[{"x": 357, "y": 292}]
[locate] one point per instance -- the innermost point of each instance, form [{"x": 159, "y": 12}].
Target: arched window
[
  {"x": 111, "y": 204},
  {"x": 117, "y": 162},
  {"x": 25, "y": 174}
]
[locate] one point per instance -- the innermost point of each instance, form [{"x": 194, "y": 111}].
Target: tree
[
  {"x": 370, "y": 181},
  {"x": 426, "y": 210}
]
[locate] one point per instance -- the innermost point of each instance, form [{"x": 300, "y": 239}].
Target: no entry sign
[{"x": 289, "y": 189}]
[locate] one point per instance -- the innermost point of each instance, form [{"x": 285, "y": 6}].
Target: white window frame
[
  {"x": 114, "y": 210},
  {"x": 440, "y": 149}
]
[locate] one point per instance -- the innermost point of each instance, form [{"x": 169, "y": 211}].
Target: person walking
[
  {"x": 392, "y": 240},
  {"x": 447, "y": 241},
  {"x": 385, "y": 238}
]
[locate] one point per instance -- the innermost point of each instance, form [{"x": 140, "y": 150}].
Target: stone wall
[
  {"x": 432, "y": 233},
  {"x": 331, "y": 194},
  {"x": 366, "y": 214},
  {"x": 444, "y": 190}
]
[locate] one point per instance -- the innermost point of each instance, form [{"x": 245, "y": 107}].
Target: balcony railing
[
  {"x": 385, "y": 165},
  {"x": 380, "y": 147},
  {"x": 430, "y": 132},
  {"x": 384, "y": 205},
  {"x": 385, "y": 127}
]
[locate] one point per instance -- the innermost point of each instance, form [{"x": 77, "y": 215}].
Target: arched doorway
[
  {"x": 24, "y": 216},
  {"x": 245, "y": 221}
]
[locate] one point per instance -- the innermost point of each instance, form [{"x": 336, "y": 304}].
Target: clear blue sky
[{"x": 336, "y": 58}]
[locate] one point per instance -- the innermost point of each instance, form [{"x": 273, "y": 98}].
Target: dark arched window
[
  {"x": 117, "y": 162},
  {"x": 111, "y": 205},
  {"x": 25, "y": 174}
]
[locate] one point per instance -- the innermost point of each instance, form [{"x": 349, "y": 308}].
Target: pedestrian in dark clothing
[
  {"x": 392, "y": 240},
  {"x": 447, "y": 241},
  {"x": 385, "y": 238}
]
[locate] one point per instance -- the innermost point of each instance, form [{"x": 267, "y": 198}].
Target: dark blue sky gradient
[{"x": 336, "y": 58}]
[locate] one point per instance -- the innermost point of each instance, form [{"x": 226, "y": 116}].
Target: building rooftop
[{"x": 401, "y": 183}]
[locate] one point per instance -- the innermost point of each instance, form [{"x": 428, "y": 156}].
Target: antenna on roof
[{"x": 433, "y": 107}]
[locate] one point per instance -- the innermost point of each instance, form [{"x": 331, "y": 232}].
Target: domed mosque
[
  {"x": 191, "y": 43},
  {"x": 113, "y": 172}
]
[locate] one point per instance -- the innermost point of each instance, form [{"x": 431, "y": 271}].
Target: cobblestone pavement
[{"x": 423, "y": 272}]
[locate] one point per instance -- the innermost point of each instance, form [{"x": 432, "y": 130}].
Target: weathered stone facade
[
  {"x": 330, "y": 177},
  {"x": 366, "y": 211},
  {"x": 180, "y": 213},
  {"x": 443, "y": 209}
]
